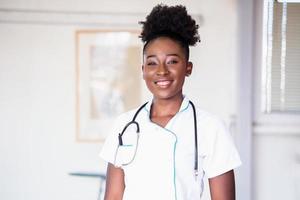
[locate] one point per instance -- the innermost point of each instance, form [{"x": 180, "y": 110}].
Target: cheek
[
  {"x": 179, "y": 73},
  {"x": 146, "y": 77},
  {"x": 147, "y": 73},
  {"x": 147, "y": 80},
  {"x": 144, "y": 74}
]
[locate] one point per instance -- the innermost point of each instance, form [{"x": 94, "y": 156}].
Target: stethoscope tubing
[
  {"x": 133, "y": 121},
  {"x": 196, "y": 138}
]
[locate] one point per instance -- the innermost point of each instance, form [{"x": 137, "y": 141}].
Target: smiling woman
[
  {"x": 180, "y": 144},
  {"x": 165, "y": 68}
]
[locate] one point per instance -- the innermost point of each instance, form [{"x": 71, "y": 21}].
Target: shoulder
[
  {"x": 120, "y": 121},
  {"x": 205, "y": 119},
  {"x": 210, "y": 127},
  {"x": 209, "y": 119},
  {"x": 128, "y": 115}
]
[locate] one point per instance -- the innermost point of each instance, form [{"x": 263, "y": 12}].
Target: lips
[{"x": 163, "y": 83}]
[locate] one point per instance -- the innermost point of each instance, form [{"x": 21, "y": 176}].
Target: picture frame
[{"x": 108, "y": 79}]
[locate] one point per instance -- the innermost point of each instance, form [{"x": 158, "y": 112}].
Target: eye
[
  {"x": 172, "y": 62},
  {"x": 151, "y": 63}
]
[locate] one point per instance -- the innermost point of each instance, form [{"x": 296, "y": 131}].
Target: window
[{"x": 281, "y": 59}]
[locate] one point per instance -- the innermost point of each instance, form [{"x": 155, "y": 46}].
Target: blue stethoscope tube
[{"x": 134, "y": 122}]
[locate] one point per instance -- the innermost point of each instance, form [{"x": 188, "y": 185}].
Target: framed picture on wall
[{"x": 108, "y": 80}]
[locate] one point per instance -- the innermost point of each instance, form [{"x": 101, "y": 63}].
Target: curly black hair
[{"x": 173, "y": 22}]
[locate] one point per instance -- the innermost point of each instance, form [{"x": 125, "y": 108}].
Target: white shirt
[{"x": 161, "y": 160}]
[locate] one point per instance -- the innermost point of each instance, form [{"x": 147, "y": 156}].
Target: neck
[{"x": 166, "y": 107}]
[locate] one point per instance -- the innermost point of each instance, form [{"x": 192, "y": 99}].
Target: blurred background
[{"x": 53, "y": 55}]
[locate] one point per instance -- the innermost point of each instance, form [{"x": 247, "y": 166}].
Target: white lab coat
[{"x": 163, "y": 158}]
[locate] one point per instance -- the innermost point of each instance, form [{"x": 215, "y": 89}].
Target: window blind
[{"x": 282, "y": 86}]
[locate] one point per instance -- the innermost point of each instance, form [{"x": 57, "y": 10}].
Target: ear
[
  {"x": 143, "y": 71},
  {"x": 189, "y": 68}
]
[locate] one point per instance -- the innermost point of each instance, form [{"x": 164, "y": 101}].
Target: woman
[{"x": 170, "y": 146}]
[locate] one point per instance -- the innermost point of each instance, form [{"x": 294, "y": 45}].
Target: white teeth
[{"x": 163, "y": 83}]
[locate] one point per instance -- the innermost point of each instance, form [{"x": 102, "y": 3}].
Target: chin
[{"x": 164, "y": 96}]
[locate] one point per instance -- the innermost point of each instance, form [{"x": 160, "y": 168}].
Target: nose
[{"x": 162, "y": 70}]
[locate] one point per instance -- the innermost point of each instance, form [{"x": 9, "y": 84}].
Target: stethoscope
[{"x": 134, "y": 122}]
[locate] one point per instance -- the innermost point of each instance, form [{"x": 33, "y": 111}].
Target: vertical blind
[{"x": 281, "y": 76}]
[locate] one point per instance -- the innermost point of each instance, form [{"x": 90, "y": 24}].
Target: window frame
[{"x": 273, "y": 122}]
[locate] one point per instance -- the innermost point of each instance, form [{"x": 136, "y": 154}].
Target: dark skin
[
  {"x": 222, "y": 187},
  {"x": 164, "y": 70},
  {"x": 114, "y": 183}
]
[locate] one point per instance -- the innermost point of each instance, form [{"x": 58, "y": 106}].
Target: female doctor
[{"x": 164, "y": 149}]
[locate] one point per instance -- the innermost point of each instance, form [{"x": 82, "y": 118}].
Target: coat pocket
[{"x": 125, "y": 155}]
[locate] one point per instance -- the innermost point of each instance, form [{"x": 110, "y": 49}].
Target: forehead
[{"x": 164, "y": 45}]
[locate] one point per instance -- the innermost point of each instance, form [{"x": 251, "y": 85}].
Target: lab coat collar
[{"x": 184, "y": 104}]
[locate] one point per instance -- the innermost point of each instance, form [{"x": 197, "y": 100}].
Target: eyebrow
[{"x": 171, "y": 54}]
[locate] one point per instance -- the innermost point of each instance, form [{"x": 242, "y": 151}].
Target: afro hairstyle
[{"x": 172, "y": 21}]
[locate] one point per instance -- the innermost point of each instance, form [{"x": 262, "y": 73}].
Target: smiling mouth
[{"x": 164, "y": 83}]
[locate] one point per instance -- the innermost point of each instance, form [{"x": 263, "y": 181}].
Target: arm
[
  {"x": 222, "y": 187},
  {"x": 114, "y": 183}
]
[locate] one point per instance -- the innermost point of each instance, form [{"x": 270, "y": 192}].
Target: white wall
[
  {"x": 37, "y": 84},
  {"x": 113, "y": 6},
  {"x": 277, "y": 168},
  {"x": 37, "y": 114}
]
